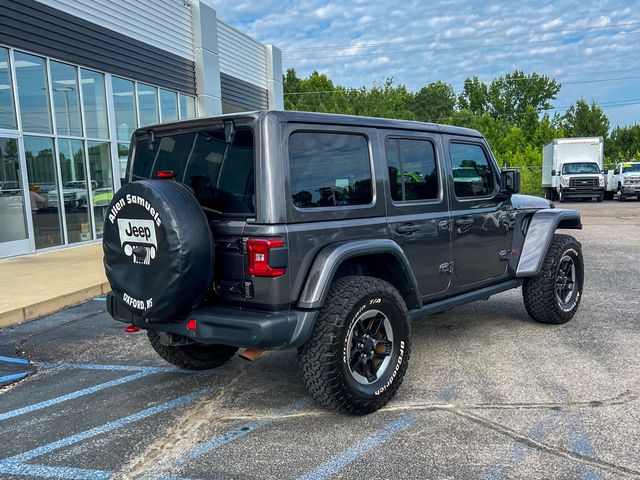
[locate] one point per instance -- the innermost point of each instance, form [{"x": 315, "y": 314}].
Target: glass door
[{"x": 14, "y": 221}]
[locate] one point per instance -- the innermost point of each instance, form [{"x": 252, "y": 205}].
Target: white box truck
[{"x": 572, "y": 168}]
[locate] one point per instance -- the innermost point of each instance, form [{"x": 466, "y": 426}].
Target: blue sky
[{"x": 418, "y": 42}]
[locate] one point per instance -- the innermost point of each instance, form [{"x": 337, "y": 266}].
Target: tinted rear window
[
  {"x": 329, "y": 170},
  {"x": 223, "y": 183}
]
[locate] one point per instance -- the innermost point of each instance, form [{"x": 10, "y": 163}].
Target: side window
[
  {"x": 412, "y": 169},
  {"x": 472, "y": 175},
  {"x": 329, "y": 170}
]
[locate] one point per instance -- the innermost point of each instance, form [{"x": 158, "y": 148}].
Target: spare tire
[{"x": 158, "y": 250}]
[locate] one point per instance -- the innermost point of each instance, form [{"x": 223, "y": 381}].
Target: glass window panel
[
  {"x": 187, "y": 107},
  {"x": 75, "y": 190},
  {"x": 12, "y": 213},
  {"x": 412, "y": 169},
  {"x": 125, "y": 108},
  {"x": 66, "y": 100},
  {"x": 168, "y": 106},
  {"x": 123, "y": 157},
  {"x": 148, "y": 104},
  {"x": 95, "y": 104},
  {"x": 472, "y": 175},
  {"x": 33, "y": 93},
  {"x": 7, "y": 108},
  {"x": 329, "y": 170},
  {"x": 43, "y": 181},
  {"x": 102, "y": 179}
]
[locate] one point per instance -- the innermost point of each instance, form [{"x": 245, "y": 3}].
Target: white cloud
[
  {"x": 419, "y": 42},
  {"x": 555, "y": 23}
]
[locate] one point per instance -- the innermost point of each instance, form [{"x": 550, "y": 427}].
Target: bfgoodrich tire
[
  {"x": 193, "y": 356},
  {"x": 553, "y": 296},
  {"x": 359, "y": 351}
]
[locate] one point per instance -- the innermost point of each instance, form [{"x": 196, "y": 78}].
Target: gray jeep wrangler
[{"x": 326, "y": 233}]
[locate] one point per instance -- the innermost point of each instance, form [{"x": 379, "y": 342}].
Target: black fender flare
[
  {"x": 542, "y": 226},
  {"x": 330, "y": 258}
]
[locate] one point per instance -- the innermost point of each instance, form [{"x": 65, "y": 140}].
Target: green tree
[
  {"x": 512, "y": 96},
  {"x": 474, "y": 97},
  {"x": 434, "y": 103},
  {"x": 623, "y": 144},
  {"x": 584, "y": 120}
]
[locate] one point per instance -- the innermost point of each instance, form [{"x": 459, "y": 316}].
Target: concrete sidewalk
[{"x": 41, "y": 283}]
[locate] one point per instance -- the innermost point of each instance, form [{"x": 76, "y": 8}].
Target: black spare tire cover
[{"x": 158, "y": 251}]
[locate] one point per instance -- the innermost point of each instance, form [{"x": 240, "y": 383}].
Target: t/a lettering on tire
[
  {"x": 553, "y": 296},
  {"x": 359, "y": 351}
]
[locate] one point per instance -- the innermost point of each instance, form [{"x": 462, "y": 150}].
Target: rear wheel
[
  {"x": 358, "y": 353},
  {"x": 553, "y": 296},
  {"x": 193, "y": 356}
]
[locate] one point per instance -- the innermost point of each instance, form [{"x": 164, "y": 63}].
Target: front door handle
[
  {"x": 407, "y": 228},
  {"x": 463, "y": 221}
]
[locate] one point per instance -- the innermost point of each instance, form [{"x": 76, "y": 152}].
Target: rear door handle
[
  {"x": 463, "y": 221},
  {"x": 407, "y": 228}
]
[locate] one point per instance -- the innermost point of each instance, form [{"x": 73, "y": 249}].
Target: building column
[
  {"x": 206, "y": 59},
  {"x": 274, "y": 78}
]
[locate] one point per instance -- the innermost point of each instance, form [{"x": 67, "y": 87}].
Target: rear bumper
[{"x": 230, "y": 326}]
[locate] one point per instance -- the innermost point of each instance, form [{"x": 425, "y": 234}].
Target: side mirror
[
  {"x": 510, "y": 181},
  {"x": 605, "y": 171},
  {"x": 554, "y": 173}
]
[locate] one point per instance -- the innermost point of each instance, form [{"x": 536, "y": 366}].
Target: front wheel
[
  {"x": 553, "y": 296},
  {"x": 359, "y": 350},
  {"x": 193, "y": 356}
]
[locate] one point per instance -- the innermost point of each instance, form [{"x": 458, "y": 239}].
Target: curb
[{"x": 51, "y": 305}]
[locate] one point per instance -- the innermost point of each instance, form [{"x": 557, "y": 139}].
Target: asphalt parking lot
[{"x": 488, "y": 394}]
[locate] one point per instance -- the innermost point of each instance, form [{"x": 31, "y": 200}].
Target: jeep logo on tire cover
[{"x": 138, "y": 233}]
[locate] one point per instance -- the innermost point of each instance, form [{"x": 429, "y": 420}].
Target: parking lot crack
[
  {"x": 558, "y": 451},
  {"x": 628, "y": 396}
]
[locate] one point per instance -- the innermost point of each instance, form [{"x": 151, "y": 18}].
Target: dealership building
[{"x": 77, "y": 77}]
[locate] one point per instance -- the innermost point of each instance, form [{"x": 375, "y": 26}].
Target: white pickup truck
[{"x": 623, "y": 181}]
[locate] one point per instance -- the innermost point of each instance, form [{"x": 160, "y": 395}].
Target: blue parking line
[
  {"x": 100, "y": 299},
  {"x": 351, "y": 454},
  {"x": 109, "y": 368},
  {"x": 10, "y": 378},
  {"x": 72, "y": 395},
  {"x": 102, "y": 429},
  {"x": 45, "y": 471},
  {"x": 13, "y": 360},
  {"x": 236, "y": 433},
  {"x": 581, "y": 444},
  {"x": 519, "y": 451}
]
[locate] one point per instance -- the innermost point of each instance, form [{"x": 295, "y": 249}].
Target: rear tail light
[
  {"x": 259, "y": 249},
  {"x": 165, "y": 174}
]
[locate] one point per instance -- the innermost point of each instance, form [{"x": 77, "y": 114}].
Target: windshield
[
  {"x": 581, "y": 167},
  {"x": 224, "y": 183},
  {"x": 630, "y": 167}
]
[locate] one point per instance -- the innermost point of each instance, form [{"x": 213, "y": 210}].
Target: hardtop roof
[{"x": 321, "y": 118}]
